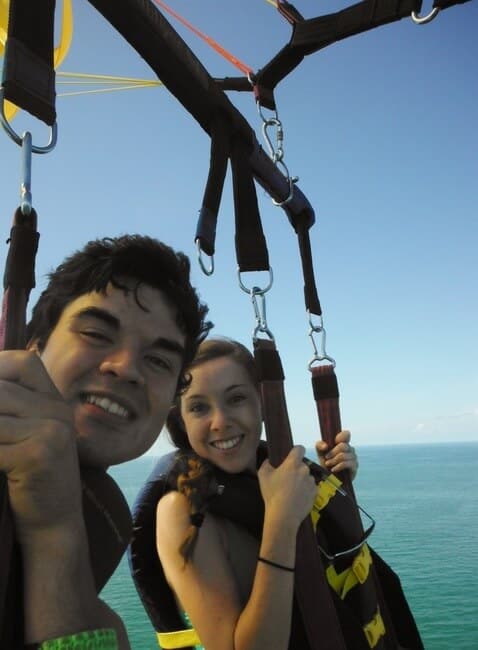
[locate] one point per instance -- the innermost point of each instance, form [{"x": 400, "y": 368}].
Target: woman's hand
[
  {"x": 289, "y": 489},
  {"x": 340, "y": 457}
]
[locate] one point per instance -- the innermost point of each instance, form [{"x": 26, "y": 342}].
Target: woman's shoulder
[{"x": 173, "y": 509}]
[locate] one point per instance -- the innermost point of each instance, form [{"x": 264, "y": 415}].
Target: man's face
[{"x": 117, "y": 365}]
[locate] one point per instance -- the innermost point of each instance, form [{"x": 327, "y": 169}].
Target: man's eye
[
  {"x": 159, "y": 363},
  {"x": 237, "y": 398},
  {"x": 94, "y": 335}
]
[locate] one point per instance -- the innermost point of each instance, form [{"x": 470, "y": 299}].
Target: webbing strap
[
  {"x": 251, "y": 247},
  {"x": 374, "y": 630},
  {"x": 206, "y": 227},
  {"x": 28, "y": 73},
  {"x": 326, "y": 394},
  {"x": 178, "y": 639},
  {"x": 19, "y": 279},
  {"x": 356, "y": 574},
  {"x": 444, "y": 4},
  {"x": 316, "y": 33},
  {"x": 311, "y": 587}
]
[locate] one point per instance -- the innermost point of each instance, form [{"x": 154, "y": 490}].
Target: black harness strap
[
  {"x": 19, "y": 279},
  {"x": 444, "y": 4},
  {"x": 326, "y": 394},
  {"x": 144, "y": 27},
  {"x": 251, "y": 248},
  {"x": 206, "y": 227},
  {"x": 28, "y": 74},
  {"x": 311, "y": 588}
]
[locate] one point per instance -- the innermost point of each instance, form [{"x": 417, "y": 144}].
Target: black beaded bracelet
[{"x": 276, "y": 564}]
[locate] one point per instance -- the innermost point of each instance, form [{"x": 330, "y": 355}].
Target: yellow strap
[
  {"x": 325, "y": 491},
  {"x": 357, "y": 573},
  {"x": 177, "y": 639},
  {"x": 374, "y": 629}
]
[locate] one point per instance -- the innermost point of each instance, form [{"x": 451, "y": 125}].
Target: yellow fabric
[
  {"x": 177, "y": 639},
  {"x": 325, "y": 491},
  {"x": 59, "y": 53},
  {"x": 357, "y": 573},
  {"x": 374, "y": 630}
]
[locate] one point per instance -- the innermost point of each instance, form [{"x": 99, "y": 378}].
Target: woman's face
[{"x": 222, "y": 415}]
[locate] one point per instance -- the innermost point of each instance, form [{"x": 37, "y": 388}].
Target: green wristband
[{"x": 92, "y": 640}]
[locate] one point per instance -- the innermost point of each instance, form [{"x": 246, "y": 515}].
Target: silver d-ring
[
  {"x": 18, "y": 139},
  {"x": 422, "y": 20},
  {"x": 256, "y": 290},
  {"x": 206, "y": 271}
]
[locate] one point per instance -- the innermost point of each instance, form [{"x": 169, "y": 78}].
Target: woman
[{"x": 237, "y": 591}]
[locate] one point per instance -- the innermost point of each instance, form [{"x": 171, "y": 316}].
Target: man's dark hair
[{"x": 126, "y": 262}]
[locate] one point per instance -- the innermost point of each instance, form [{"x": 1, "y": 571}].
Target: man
[{"x": 108, "y": 341}]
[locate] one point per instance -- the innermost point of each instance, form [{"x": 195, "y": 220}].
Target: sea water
[{"x": 425, "y": 503}]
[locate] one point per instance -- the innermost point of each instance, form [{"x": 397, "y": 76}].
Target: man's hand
[{"x": 37, "y": 447}]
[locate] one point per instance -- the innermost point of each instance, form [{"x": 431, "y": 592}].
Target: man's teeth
[
  {"x": 108, "y": 405},
  {"x": 226, "y": 444}
]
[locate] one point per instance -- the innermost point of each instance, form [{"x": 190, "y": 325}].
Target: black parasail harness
[{"x": 237, "y": 498}]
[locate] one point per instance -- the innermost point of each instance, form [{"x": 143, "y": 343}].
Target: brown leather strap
[{"x": 311, "y": 588}]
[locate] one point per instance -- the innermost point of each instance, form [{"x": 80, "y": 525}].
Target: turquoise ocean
[{"x": 425, "y": 502}]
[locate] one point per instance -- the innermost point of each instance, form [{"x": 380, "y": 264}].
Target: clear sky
[{"x": 381, "y": 130}]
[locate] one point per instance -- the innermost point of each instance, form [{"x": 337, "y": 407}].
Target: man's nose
[{"x": 124, "y": 364}]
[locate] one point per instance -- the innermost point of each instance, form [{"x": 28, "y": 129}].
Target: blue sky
[{"x": 381, "y": 130}]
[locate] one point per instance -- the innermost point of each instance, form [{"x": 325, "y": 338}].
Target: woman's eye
[{"x": 198, "y": 408}]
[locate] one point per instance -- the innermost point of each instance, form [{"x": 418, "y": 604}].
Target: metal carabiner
[
  {"x": 422, "y": 20},
  {"x": 322, "y": 356},
  {"x": 260, "y": 314},
  {"x": 206, "y": 271},
  {"x": 18, "y": 139}
]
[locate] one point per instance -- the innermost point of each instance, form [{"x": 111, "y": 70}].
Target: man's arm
[{"x": 39, "y": 456}]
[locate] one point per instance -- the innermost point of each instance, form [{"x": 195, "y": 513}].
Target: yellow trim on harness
[
  {"x": 374, "y": 629},
  {"x": 177, "y": 639},
  {"x": 326, "y": 489},
  {"x": 357, "y": 573}
]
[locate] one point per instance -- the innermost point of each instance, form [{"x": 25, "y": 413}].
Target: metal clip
[
  {"x": 259, "y": 306},
  {"x": 26, "y": 178},
  {"x": 322, "y": 355},
  {"x": 206, "y": 271}
]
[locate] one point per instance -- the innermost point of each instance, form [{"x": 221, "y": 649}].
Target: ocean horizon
[{"x": 424, "y": 501}]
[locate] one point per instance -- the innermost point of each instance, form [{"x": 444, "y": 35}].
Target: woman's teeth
[{"x": 226, "y": 444}]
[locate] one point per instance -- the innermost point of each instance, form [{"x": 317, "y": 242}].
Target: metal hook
[
  {"x": 319, "y": 329},
  {"x": 26, "y": 178},
  {"x": 206, "y": 271},
  {"x": 422, "y": 20}
]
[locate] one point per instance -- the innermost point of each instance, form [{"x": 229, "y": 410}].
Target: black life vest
[{"x": 241, "y": 502}]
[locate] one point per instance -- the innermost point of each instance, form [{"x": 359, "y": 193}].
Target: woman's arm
[{"x": 206, "y": 586}]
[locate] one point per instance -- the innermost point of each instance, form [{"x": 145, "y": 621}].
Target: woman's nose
[{"x": 219, "y": 419}]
